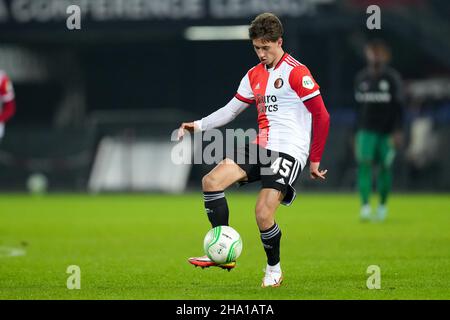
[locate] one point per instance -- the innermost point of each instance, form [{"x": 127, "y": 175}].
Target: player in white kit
[
  {"x": 293, "y": 125},
  {"x": 7, "y": 102}
]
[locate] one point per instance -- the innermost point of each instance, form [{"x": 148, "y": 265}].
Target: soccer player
[
  {"x": 289, "y": 107},
  {"x": 378, "y": 91},
  {"x": 7, "y": 102}
]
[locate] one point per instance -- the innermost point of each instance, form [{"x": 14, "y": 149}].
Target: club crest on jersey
[
  {"x": 278, "y": 83},
  {"x": 383, "y": 85}
]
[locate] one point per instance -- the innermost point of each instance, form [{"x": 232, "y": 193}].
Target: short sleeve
[
  {"x": 245, "y": 92},
  {"x": 303, "y": 83}
]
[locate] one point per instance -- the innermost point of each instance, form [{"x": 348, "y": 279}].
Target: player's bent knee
[
  {"x": 209, "y": 183},
  {"x": 263, "y": 215}
]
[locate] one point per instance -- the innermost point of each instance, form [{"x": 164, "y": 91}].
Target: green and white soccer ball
[{"x": 222, "y": 244}]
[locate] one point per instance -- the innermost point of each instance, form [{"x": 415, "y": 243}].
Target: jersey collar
[
  {"x": 281, "y": 60},
  {"x": 278, "y": 63}
]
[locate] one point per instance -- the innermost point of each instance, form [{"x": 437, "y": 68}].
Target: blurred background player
[
  {"x": 284, "y": 130},
  {"x": 378, "y": 91},
  {"x": 7, "y": 102}
]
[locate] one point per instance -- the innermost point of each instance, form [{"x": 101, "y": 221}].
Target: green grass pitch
[{"x": 136, "y": 247}]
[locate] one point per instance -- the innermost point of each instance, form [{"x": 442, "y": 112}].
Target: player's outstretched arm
[
  {"x": 216, "y": 119},
  {"x": 187, "y": 126}
]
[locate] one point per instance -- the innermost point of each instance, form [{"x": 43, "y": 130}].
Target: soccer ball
[
  {"x": 222, "y": 244},
  {"x": 37, "y": 183}
]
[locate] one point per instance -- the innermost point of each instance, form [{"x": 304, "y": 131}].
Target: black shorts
[{"x": 276, "y": 170}]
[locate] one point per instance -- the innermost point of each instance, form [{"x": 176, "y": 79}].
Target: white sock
[{"x": 275, "y": 268}]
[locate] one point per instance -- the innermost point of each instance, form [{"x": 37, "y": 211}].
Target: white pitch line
[{"x": 6, "y": 252}]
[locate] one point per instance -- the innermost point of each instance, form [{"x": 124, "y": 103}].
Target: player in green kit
[{"x": 378, "y": 92}]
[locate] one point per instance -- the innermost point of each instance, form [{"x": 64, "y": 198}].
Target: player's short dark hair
[
  {"x": 380, "y": 46},
  {"x": 267, "y": 27}
]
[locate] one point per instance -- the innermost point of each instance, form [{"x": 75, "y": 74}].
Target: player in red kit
[
  {"x": 7, "y": 102},
  {"x": 290, "y": 108}
]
